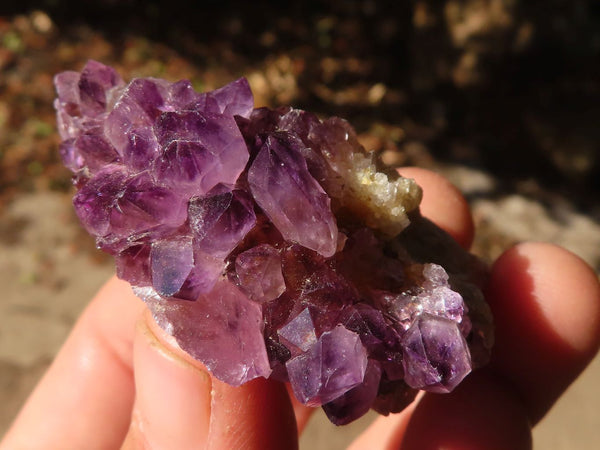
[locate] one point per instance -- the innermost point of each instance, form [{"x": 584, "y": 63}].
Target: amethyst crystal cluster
[{"x": 268, "y": 243}]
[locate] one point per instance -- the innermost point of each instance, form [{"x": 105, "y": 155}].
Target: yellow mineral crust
[{"x": 383, "y": 200}]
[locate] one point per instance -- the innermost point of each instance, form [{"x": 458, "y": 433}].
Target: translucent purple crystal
[
  {"x": 332, "y": 366},
  {"x": 290, "y": 197},
  {"x": 95, "y": 83},
  {"x": 172, "y": 261},
  {"x": 197, "y": 151},
  {"x": 269, "y": 245},
  {"x": 221, "y": 219},
  {"x": 356, "y": 401},
  {"x": 259, "y": 273},
  {"x": 436, "y": 356},
  {"x": 298, "y": 335},
  {"x": 230, "y": 339}
]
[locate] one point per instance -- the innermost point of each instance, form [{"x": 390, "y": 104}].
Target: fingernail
[{"x": 172, "y": 406}]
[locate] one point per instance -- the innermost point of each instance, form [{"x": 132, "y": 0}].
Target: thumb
[
  {"x": 179, "y": 405},
  {"x": 256, "y": 415}
]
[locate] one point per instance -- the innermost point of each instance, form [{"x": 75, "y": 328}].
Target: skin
[{"x": 119, "y": 382}]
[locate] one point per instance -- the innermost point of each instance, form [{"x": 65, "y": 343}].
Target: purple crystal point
[
  {"x": 200, "y": 150},
  {"x": 436, "y": 356},
  {"x": 70, "y": 155},
  {"x": 67, "y": 105},
  {"x": 235, "y": 99},
  {"x": 140, "y": 147},
  {"x": 133, "y": 265},
  {"x": 145, "y": 205},
  {"x": 113, "y": 205},
  {"x": 259, "y": 273},
  {"x": 135, "y": 111},
  {"x": 95, "y": 151},
  {"x": 292, "y": 199},
  {"x": 221, "y": 219},
  {"x": 331, "y": 367},
  {"x": 229, "y": 342},
  {"x": 206, "y": 272},
  {"x": 377, "y": 335},
  {"x": 95, "y": 201},
  {"x": 442, "y": 300},
  {"x": 268, "y": 243},
  {"x": 172, "y": 262},
  {"x": 67, "y": 91},
  {"x": 96, "y": 79},
  {"x": 358, "y": 400},
  {"x": 299, "y": 333}
]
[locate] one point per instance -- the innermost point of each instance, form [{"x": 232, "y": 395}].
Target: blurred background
[{"x": 500, "y": 96}]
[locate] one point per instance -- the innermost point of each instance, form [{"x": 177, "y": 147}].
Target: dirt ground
[{"x": 500, "y": 100}]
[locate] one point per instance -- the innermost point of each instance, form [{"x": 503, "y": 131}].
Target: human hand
[{"x": 119, "y": 381}]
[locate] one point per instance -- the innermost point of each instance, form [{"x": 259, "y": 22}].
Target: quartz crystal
[{"x": 268, "y": 242}]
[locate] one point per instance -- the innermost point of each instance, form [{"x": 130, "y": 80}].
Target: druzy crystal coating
[{"x": 268, "y": 243}]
